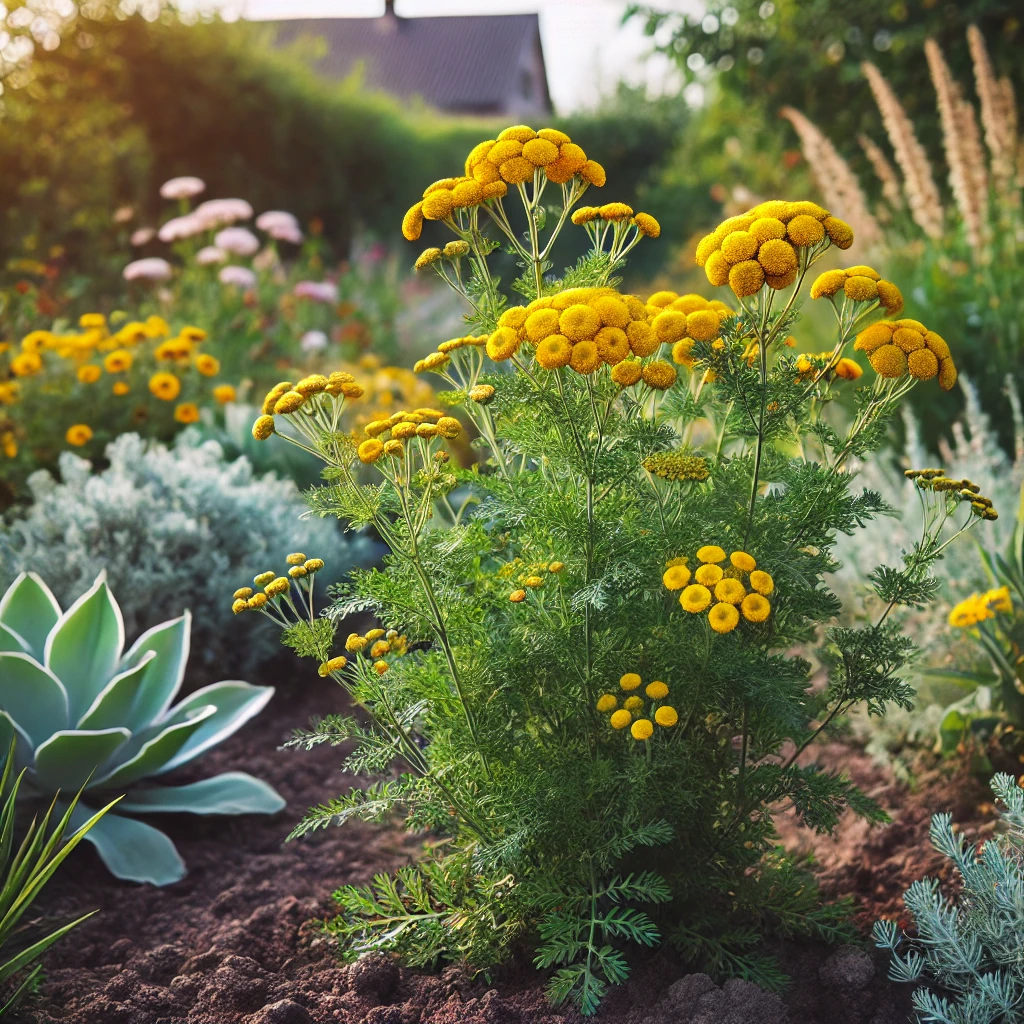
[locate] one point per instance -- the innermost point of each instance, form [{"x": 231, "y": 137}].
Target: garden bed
[{"x": 227, "y": 944}]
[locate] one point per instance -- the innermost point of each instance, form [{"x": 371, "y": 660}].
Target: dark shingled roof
[{"x": 455, "y": 63}]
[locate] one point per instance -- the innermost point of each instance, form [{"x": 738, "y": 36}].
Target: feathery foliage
[{"x": 968, "y": 948}]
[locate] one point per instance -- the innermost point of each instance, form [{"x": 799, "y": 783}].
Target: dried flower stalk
[
  {"x": 918, "y": 182},
  {"x": 998, "y": 112},
  {"x": 884, "y": 171},
  {"x": 968, "y": 176}
]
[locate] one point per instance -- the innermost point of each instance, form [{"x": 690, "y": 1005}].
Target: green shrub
[
  {"x": 220, "y": 101},
  {"x": 88, "y": 716},
  {"x": 967, "y": 947},
  {"x": 569, "y": 714}
]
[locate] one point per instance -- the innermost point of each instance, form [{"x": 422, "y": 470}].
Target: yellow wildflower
[
  {"x": 755, "y": 608},
  {"x": 186, "y": 412},
  {"x": 642, "y": 729},
  {"x": 723, "y": 617},
  {"x": 165, "y": 386},
  {"x": 695, "y": 598},
  {"x": 629, "y": 681},
  {"x": 78, "y": 435},
  {"x": 620, "y": 719},
  {"x": 666, "y": 716}
]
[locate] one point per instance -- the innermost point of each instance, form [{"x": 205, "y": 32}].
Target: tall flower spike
[{"x": 918, "y": 182}]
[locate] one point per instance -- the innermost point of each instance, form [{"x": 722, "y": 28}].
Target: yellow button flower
[
  {"x": 710, "y": 553},
  {"x": 629, "y": 681},
  {"x": 676, "y": 577},
  {"x": 666, "y": 716},
  {"x": 723, "y": 618},
  {"x": 695, "y": 598},
  {"x": 607, "y": 702},
  {"x": 620, "y": 719},
  {"x": 656, "y": 690},
  {"x": 642, "y": 729}
]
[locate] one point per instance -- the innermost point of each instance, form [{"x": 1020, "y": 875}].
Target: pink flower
[
  {"x": 217, "y": 213},
  {"x": 239, "y": 241},
  {"x": 181, "y": 227},
  {"x": 318, "y": 291},
  {"x": 143, "y": 236},
  {"x": 210, "y": 254},
  {"x": 153, "y": 268},
  {"x": 240, "y": 277},
  {"x": 182, "y": 188},
  {"x": 281, "y": 225},
  {"x": 123, "y": 214}
]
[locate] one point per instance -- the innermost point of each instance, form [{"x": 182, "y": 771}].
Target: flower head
[
  {"x": 78, "y": 435},
  {"x": 642, "y": 729},
  {"x": 165, "y": 386},
  {"x": 723, "y": 617}
]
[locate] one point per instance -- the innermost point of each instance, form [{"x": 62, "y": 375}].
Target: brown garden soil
[{"x": 228, "y": 945}]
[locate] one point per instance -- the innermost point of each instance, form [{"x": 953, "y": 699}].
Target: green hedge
[{"x": 124, "y": 104}]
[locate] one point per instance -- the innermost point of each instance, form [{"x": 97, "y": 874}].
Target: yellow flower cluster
[
  {"x": 680, "y": 320},
  {"x": 402, "y": 426},
  {"x": 582, "y": 328},
  {"x": 441, "y": 357},
  {"x": 898, "y": 347},
  {"x": 452, "y": 251},
  {"x": 677, "y": 465},
  {"x": 979, "y": 607},
  {"x": 529, "y": 577},
  {"x": 376, "y": 644},
  {"x": 632, "y": 711},
  {"x": 124, "y": 355},
  {"x": 859, "y": 284},
  {"x": 760, "y": 246},
  {"x": 722, "y": 592},
  {"x": 587, "y": 328},
  {"x": 513, "y": 158},
  {"x": 808, "y": 365},
  {"x": 274, "y": 586},
  {"x": 286, "y": 398},
  {"x": 964, "y": 489},
  {"x": 595, "y": 217}
]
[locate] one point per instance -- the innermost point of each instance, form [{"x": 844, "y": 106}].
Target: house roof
[{"x": 455, "y": 63}]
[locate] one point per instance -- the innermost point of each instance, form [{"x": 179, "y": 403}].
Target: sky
[{"x": 592, "y": 50}]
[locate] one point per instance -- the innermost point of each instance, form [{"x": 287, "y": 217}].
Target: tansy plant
[
  {"x": 88, "y": 716},
  {"x": 583, "y": 670}
]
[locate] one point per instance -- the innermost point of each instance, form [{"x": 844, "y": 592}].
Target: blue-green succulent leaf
[
  {"x": 130, "y": 849},
  {"x": 31, "y": 610},
  {"x": 236, "y": 703},
  {"x": 34, "y": 697},
  {"x": 12, "y": 641},
  {"x": 113, "y": 705},
  {"x": 66, "y": 760},
  {"x": 84, "y": 647},
  {"x": 170, "y": 642},
  {"x": 149, "y": 753},
  {"x": 230, "y": 793}
]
